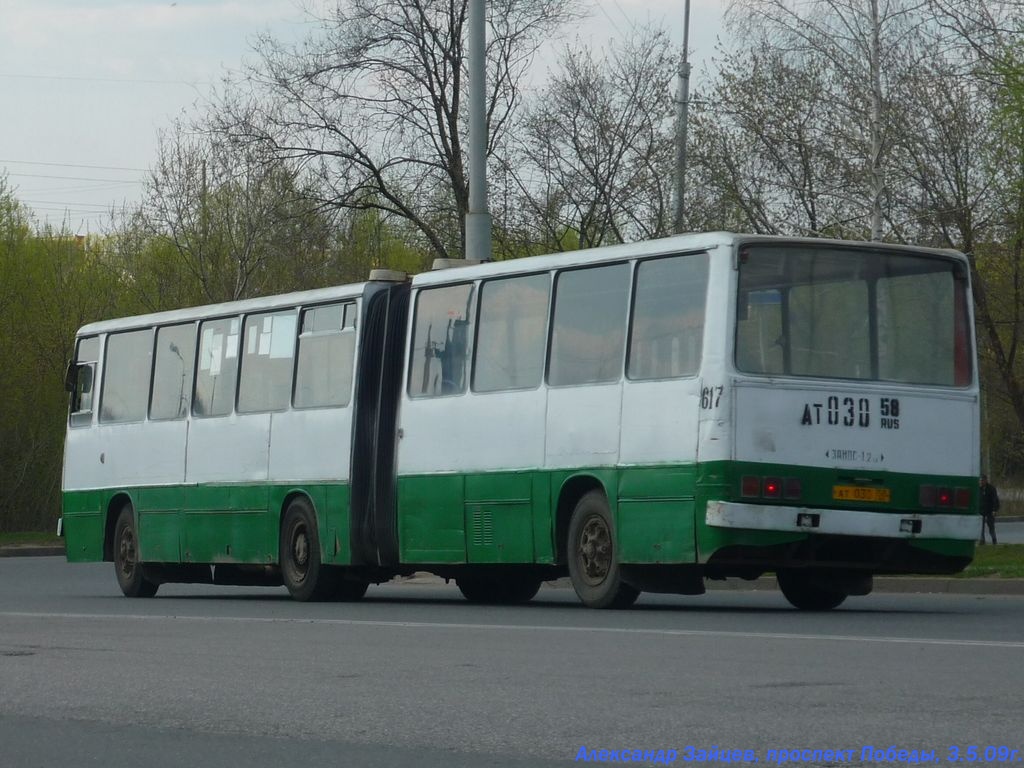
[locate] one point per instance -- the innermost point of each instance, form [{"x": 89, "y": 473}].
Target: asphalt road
[
  {"x": 1009, "y": 533},
  {"x": 414, "y": 676}
]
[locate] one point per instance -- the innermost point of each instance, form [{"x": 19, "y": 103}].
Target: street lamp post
[
  {"x": 682, "y": 102},
  {"x": 478, "y": 218}
]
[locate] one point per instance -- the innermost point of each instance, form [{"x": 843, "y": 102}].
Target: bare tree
[
  {"x": 596, "y": 152},
  {"x": 769, "y": 145},
  {"x": 858, "y": 50},
  {"x": 233, "y": 217},
  {"x": 371, "y": 104},
  {"x": 984, "y": 30}
]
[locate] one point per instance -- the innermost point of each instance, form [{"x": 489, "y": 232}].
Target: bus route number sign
[
  {"x": 840, "y": 411},
  {"x": 710, "y": 397}
]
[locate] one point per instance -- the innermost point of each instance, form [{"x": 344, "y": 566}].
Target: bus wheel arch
[{"x": 299, "y": 552}]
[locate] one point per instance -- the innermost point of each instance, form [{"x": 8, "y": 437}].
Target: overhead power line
[
  {"x": 76, "y": 165},
  {"x": 74, "y": 178},
  {"x": 83, "y": 78},
  {"x": 71, "y": 205}
]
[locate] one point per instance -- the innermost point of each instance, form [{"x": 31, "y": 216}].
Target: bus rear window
[{"x": 848, "y": 313}]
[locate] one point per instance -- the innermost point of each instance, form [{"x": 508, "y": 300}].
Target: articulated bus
[{"x": 641, "y": 417}]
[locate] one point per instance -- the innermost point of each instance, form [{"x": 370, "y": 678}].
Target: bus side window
[
  {"x": 441, "y": 339},
  {"x": 127, "y": 366},
  {"x": 588, "y": 334},
  {"x": 326, "y": 356},
  {"x": 512, "y": 333},
  {"x": 217, "y": 371},
  {"x": 80, "y": 380},
  {"x": 173, "y": 371},
  {"x": 268, "y": 354},
  {"x": 667, "y": 332}
]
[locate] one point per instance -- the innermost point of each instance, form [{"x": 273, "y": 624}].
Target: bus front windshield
[{"x": 850, "y": 313}]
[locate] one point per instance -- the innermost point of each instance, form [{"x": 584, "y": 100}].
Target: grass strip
[
  {"x": 1004, "y": 561},
  {"x": 28, "y": 538}
]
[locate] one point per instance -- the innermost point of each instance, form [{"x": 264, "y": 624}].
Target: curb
[
  {"x": 888, "y": 585},
  {"x": 883, "y": 584},
  {"x": 32, "y": 550}
]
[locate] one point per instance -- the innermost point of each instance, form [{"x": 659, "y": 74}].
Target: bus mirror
[
  {"x": 78, "y": 378},
  {"x": 71, "y": 376}
]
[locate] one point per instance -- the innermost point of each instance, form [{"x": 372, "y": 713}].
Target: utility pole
[
  {"x": 682, "y": 115},
  {"x": 478, "y": 218}
]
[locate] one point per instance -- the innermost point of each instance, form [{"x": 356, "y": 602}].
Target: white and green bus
[{"x": 642, "y": 417}]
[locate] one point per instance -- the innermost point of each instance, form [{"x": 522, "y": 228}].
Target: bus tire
[
  {"x": 520, "y": 589},
  {"x": 475, "y": 589},
  {"x": 803, "y": 590},
  {"x": 351, "y": 590},
  {"x": 592, "y": 557},
  {"x": 306, "y": 578},
  {"x": 499, "y": 589},
  {"x": 130, "y": 576}
]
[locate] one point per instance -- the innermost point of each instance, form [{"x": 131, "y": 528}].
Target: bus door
[{"x": 373, "y": 518}]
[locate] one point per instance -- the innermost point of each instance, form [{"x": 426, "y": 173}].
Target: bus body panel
[
  {"x": 454, "y": 473},
  {"x": 311, "y": 446},
  {"x": 660, "y": 421},
  {"x": 657, "y": 481},
  {"x": 582, "y": 426},
  {"x": 228, "y": 449},
  {"x": 110, "y": 455},
  {"x": 871, "y": 427},
  {"x": 472, "y": 432}
]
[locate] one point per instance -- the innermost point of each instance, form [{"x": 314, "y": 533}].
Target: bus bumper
[{"x": 841, "y": 522}]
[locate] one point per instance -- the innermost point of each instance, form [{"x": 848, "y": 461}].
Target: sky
[{"x": 87, "y": 85}]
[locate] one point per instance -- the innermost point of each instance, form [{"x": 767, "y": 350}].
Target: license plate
[{"x": 860, "y": 493}]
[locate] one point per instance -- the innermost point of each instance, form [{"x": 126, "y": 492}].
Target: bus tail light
[
  {"x": 750, "y": 487},
  {"x": 926, "y": 496},
  {"x": 930, "y": 497},
  {"x": 792, "y": 488},
  {"x": 753, "y": 487}
]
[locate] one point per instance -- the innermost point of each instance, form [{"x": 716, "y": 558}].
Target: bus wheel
[
  {"x": 351, "y": 590},
  {"x": 803, "y": 590},
  {"x": 520, "y": 589},
  {"x": 130, "y": 576},
  {"x": 301, "y": 569},
  {"x": 593, "y": 561},
  {"x": 499, "y": 589}
]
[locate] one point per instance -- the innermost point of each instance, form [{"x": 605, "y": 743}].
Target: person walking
[{"x": 988, "y": 505}]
